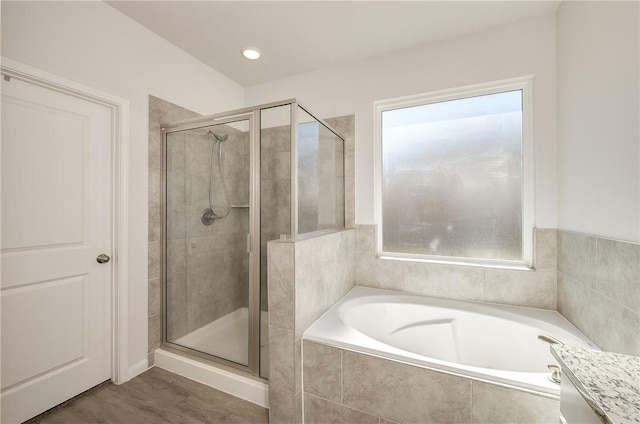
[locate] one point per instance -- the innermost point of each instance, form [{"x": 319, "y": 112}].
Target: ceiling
[{"x": 302, "y": 36}]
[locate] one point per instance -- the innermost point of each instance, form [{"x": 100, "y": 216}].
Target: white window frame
[{"x": 528, "y": 219}]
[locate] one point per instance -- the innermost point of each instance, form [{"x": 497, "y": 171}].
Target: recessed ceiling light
[{"x": 251, "y": 53}]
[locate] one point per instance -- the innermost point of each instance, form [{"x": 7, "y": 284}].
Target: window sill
[{"x": 492, "y": 265}]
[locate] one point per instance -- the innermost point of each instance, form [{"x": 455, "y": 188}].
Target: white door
[{"x": 56, "y": 219}]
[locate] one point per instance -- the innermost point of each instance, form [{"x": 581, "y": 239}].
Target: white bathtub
[{"x": 482, "y": 341}]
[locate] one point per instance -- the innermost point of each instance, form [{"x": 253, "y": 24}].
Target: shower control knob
[{"x": 103, "y": 259}]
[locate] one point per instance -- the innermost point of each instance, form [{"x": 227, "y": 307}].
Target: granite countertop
[{"x": 609, "y": 382}]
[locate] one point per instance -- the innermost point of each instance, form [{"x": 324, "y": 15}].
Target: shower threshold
[{"x": 227, "y": 338}]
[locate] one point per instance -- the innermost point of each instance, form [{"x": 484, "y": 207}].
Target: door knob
[{"x": 103, "y": 258}]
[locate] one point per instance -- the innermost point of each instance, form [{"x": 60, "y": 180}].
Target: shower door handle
[{"x": 248, "y": 243}]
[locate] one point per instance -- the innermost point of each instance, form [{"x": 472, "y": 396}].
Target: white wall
[
  {"x": 519, "y": 49},
  {"x": 598, "y": 110},
  {"x": 93, "y": 44}
]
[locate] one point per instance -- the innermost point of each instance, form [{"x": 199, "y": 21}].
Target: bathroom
[{"x": 586, "y": 182}]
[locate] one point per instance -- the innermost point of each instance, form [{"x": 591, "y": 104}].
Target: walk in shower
[{"x": 231, "y": 183}]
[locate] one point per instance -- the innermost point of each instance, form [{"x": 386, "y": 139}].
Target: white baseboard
[
  {"x": 137, "y": 369},
  {"x": 245, "y": 388}
]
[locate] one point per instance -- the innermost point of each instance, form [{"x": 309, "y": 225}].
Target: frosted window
[{"x": 452, "y": 178}]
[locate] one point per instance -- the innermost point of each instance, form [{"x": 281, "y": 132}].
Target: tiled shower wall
[
  {"x": 320, "y": 179},
  {"x": 160, "y": 111},
  {"x": 532, "y": 288},
  {"x": 599, "y": 289},
  {"x": 275, "y": 194},
  {"x": 345, "y": 126},
  {"x": 198, "y": 252},
  {"x": 207, "y": 266}
]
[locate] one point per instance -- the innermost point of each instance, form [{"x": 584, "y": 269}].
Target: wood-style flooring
[{"x": 156, "y": 396}]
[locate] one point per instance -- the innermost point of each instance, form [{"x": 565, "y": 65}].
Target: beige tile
[
  {"x": 154, "y": 332},
  {"x": 380, "y": 273},
  {"x": 577, "y": 256},
  {"x": 176, "y": 263},
  {"x": 498, "y": 405},
  {"x": 323, "y": 275},
  {"x": 168, "y": 112},
  {"x": 155, "y": 149},
  {"x": 151, "y": 358},
  {"x": 365, "y": 241},
  {"x": 345, "y": 126},
  {"x": 546, "y": 248},
  {"x": 618, "y": 272},
  {"x": 452, "y": 282},
  {"x": 573, "y": 301},
  {"x": 176, "y": 222},
  {"x": 280, "y": 270},
  {"x": 154, "y": 297},
  {"x": 323, "y": 371},
  {"x": 321, "y": 411},
  {"x": 153, "y": 268},
  {"x": 535, "y": 289},
  {"x": 280, "y": 166},
  {"x": 176, "y": 188},
  {"x": 297, "y": 365},
  {"x": 282, "y": 406},
  {"x": 298, "y": 411},
  {"x": 310, "y": 298},
  {"x": 402, "y": 392},
  {"x": 373, "y": 272},
  {"x": 176, "y": 150},
  {"x": 596, "y": 315},
  {"x": 154, "y": 223},
  {"x": 604, "y": 315},
  {"x": 198, "y": 149},
  {"x": 281, "y": 359},
  {"x": 154, "y": 187}
]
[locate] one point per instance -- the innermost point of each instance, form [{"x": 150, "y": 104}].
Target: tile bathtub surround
[
  {"x": 513, "y": 287},
  {"x": 341, "y": 386},
  {"x": 306, "y": 278},
  {"x": 599, "y": 289}
]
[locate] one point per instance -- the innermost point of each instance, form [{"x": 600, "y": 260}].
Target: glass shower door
[{"x": 207, "y": 217}]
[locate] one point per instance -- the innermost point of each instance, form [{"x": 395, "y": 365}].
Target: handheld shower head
[
  {"x": 219, "y": 137},
  {"x": 209, "y": 215}
]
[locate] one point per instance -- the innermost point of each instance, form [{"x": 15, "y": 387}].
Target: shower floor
[{"x": 227, "y": 338}]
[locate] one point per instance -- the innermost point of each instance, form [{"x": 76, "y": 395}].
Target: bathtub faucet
[{"x": 549, "y": 339}]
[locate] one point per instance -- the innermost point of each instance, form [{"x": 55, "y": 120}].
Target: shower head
[{"x": 219, "y": 137}]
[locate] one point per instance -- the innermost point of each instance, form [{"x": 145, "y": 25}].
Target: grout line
[
  {"x": 471, "y": 411},
  {"x": 343, "y": 406},
  {"x": 341, "y": 378},
  {"x": 302, "y": 379}
]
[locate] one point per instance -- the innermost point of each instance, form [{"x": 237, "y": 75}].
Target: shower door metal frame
[
  {"x": 253, "y": 240},
  {"x": 294, "y": 173},
  {"x": 253, "y": 114}
]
